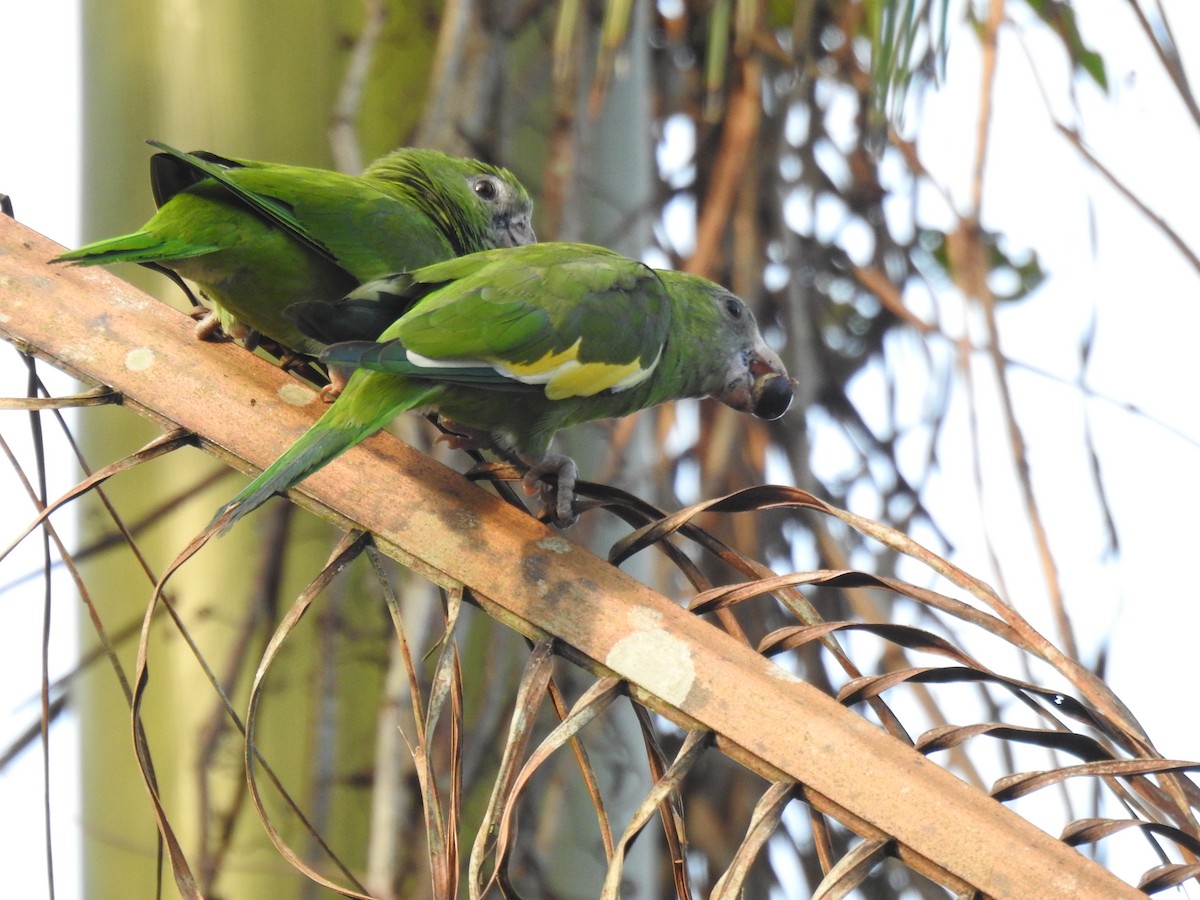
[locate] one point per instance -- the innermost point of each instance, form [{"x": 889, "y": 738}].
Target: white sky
[
  {"x": 1105, "y": 260},
  {"x": 1145, "y": 298},
  {"x": 39, "y": 169}
]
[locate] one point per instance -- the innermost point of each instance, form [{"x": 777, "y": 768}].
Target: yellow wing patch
[
  {"x": 564, "y": 376},
  {"x": 532, "y": 372}
]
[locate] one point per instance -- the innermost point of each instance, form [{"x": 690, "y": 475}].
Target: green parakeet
[
  {"x": 258, "y": 237},
  {"x": 512, "y": 345}
]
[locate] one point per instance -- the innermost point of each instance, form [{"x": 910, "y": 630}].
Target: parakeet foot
[
  {"x": 457, "y": 441},
  {"x": 337, "y": 383},
  {"x": 289, "y": 360},
  {"x": 558, "y": 495},
  {"x": 208, "y": 325},
  {"x": 457, "y": 437},
  {"x": 210, "y": 328}
]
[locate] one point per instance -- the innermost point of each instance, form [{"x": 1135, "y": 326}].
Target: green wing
[
  {"x": 571, "y": 318},
  {"x": 351, "y": 221},
  {"x": 174, "y": 171}
]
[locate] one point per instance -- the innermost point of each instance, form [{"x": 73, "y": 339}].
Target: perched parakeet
[
  {"x": 512, "y": 345},
  {"x": 258, "y": 237}
]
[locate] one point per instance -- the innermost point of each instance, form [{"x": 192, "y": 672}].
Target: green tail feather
[
  {"x": 138, "y": 247},
  {"x": 370, "y": 401},
  {"x": 315, "y": 448}
]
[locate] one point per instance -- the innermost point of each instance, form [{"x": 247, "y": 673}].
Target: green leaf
[
  {"x": 1060, "y": 16},
  {"x": 893, "y": 27},
  {"x": 1013, "y": 275}
]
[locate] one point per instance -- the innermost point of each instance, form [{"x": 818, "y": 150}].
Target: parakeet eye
[
  {"x": 733, "y": 307},
  {"x": 486, "y": 189}
]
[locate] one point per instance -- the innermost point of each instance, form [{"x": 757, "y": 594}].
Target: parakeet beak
[
  {"x": 760, "y": 385},
  {"x": 772, "y": 395},
  {"x": 770, "y": 387},
  {"x": 519, "y": 232}
]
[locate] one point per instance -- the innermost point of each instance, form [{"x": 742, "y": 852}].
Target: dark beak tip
[{"x": 772, "y": 396}]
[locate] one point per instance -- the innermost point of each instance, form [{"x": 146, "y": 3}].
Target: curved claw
[
  {"x": 462, "y": 437},
  {"x": 557, "y": 494},
  {"x": 459, "y": 441},
  {"x": 337, "y": 383}
]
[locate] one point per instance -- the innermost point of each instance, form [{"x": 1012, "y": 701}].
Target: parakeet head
[
  {"x": 476, "y": 205},
  {"x": 747, "y": 374},
  {"x": 507, "y": 203}
]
